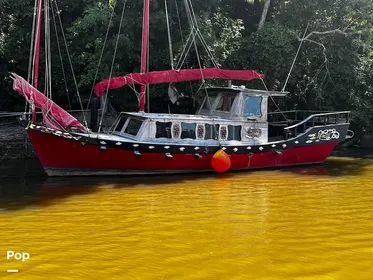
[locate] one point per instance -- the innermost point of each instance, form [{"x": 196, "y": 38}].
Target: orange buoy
[{"x": 221, "y": 161}]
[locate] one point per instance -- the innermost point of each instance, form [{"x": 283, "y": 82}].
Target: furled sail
[
  {"x": 173, "y": 76},
  {"x": 54, "y": 115}
]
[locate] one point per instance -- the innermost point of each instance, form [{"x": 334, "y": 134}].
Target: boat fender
[
  {"x": 197, "y": 156},
  {"x": 168, "y": 155},
  {"x": 221, "y": 162}
]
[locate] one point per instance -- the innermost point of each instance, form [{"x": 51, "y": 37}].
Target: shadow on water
[
  {"x": 333, "y": 167},
  {"x": 24, "y": 184}
]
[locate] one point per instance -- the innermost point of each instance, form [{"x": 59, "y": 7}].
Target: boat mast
[
  {"x": 145, "y": 32},
  {"x": 37, "y": 52}
]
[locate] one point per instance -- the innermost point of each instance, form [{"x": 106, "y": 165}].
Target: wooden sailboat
[{"x": 232, "y": 129}]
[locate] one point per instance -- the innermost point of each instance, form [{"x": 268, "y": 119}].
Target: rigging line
[
  {"x": 178, "y": 18},
  {"x": 182, "y": 38},
  {"x": 194, "y": 37},
  {"x": 112, "y": 65},
  {"x": 209, "y": 53},
  {"x": 184, "y": 52},
  {"x": 37, "y": 31},
  {"x": 187, "y": 51},
  {"x": 191, "y": 35},
  {"x": 213, "y": 60},
  {"x": 202, "y": 40},
  {"x": 190, "y": 19},
  {"x": 46, "y": 39},
  {"x": 32, "y": 44},
  {"x": 295, "y": 58},
  {"x": 71, "y": 66},
  {"x": 101, "y": 55},
  {"x": 190, "y": 13},
  {"x": 270, "y": 95},
  {"x": 147, "y": 70},
  {"x": 60, "y": 54},
  {"x": 169, "y": 36},
  {"x": 31, "y": 66},
  {"x": 48, "y": 49}
]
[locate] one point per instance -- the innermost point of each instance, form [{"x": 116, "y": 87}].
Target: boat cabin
[{"x": 225, "y": 114}]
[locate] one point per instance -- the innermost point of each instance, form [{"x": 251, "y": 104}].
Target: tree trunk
[{"x": 264, "y": 13}]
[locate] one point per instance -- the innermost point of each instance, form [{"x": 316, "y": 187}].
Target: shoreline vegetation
[
  {"x": 318, "y": 51},
  {"x": 14, "y": 144}
]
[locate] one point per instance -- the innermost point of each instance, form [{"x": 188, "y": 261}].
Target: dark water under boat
[{"x": 301, "y": 223}]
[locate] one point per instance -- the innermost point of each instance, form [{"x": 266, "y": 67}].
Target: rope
[
  {"x": 101, "y": 55},
  {"x": 71, "y": 66},
  {"x": 60, "y": 54},
  {"x": 169, "y": 36},
  {"x": 112, "y": 65},
  {"x": 30, "y": 68},
  {"x": 191, "y": 23},
  {"x": 189, "y": 44},
  {"x": 194, "y": 26},
  {"x": 201, "y": 37},
  {"x": 278, "y": 108},
  {"x": 182, "y": 38}
]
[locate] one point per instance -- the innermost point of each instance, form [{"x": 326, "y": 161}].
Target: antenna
[{"x": 295, "y": 58}]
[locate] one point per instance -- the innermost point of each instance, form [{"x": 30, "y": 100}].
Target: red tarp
[
  {"x": 173, "y": 76},
  {"x": 53, "y": 114}
]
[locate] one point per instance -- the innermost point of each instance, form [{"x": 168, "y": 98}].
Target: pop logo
[{"x": 22, "y": 256}]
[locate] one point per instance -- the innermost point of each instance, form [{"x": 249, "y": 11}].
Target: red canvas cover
[
  {"x": 54, "y": 115},
  {"x": 173, "y": 76}
]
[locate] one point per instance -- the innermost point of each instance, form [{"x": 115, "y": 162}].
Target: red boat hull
[{"x": 63, "y": 156}]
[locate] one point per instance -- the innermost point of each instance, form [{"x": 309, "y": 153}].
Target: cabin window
[
  {"x": 120, "y": 124},
  {"x": 211, "y": 131},
  {"x": 163, "y": 129},
  {"x": 252, "y": 106},
  {"x": 188, "y": 130},
  {"x": 234, "y": 132},
  {"x": 225, "y": 103},
  {"x": 133, "y": 126},
  {"x": 209, "y": 102}
]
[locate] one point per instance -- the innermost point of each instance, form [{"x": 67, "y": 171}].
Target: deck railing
[
  {"x": 292, "y": 116},
  {"x": 316, "y": 120}
]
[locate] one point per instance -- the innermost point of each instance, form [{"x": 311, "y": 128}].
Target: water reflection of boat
[
  {"x": 318, "y": 170},
  {"x": 231, "y": 119}
]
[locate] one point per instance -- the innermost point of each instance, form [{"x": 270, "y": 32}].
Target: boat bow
[{"x": 53, "y": 114}]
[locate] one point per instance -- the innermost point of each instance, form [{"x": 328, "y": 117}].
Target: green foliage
[{"x": 333, "y": 71}]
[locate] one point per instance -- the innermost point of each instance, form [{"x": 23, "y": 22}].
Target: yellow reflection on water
[{"x": 307, "y": 223}]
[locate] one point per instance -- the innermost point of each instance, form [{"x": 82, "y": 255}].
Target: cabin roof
[
  {"x": 170, "y": 117},
  {"x": 238, "y": 89}
]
